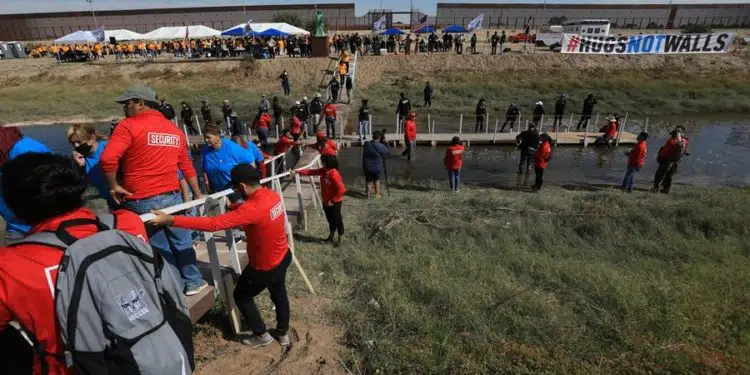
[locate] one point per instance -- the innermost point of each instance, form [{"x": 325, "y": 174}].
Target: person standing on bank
[
  {"x": 149, "y": 151},
  {"x": 636, "y": 160},
  {"x": 481, "y": 116},
  {"x": 528, "y": 142},
  {"x": 316, "y": 109},
  {"x": 226, "y": 111},
  {"x": 410, "y": 136},
  {"x": 332, "y": 192},
  {"x": 205, "y": 112},
  {"x": 403, "y": 109},
  {"x": 374, "y": 153},
  {"x": 349, "y": 86},
  {"x": 262, "y": 217},
  {"x": 454, "y": 160},
  {"x": 284, "y": 77},
  {"x": 187, "y": 118},
  {"x": 538, "y": 113},
  {"x": 364, "y": 121},
  {"x": 559, "y": 111},
  {"x": 87, "y": 150},
  {"x": 277, "y": 111},
  {"x": 668, "y": 158},
  {"x": 493, "y": 41},
  {"x": 428, "y": 93},
  {"x": 335, "y": 87},
  {"x": 588, "y": 110},
  {"x": 329, "y": 114},
  {"x": 473, "y": 42},
  {"x": 166, "y": 109},
  {"x": 541, "y": 159},
  {"x": 511, "y": 116}
]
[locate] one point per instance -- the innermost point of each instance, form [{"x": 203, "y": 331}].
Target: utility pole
[
  {"x": 93, "y": 14},
  {"x": 669, "y": 12},
  {"x": 243, "y": 8}
]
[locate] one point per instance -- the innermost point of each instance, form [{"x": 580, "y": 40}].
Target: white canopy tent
[
  {"x": 178, "y": 32},
  {"x": 79, "y": 36},
  {"x": 122, "y": 34},
  {"x": 261, "y": 27}
]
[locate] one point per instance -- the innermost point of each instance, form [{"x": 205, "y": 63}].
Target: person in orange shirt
[
  {"x": 636, "y": 160},
  {"x": 332, "y": 192},
  {"x": 454, "y": 161},
  {"x": 541, "y": 159}
]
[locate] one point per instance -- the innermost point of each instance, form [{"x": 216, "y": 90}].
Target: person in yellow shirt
[
  {"x": 158, "y": 48},
  {"x": 342, "y": 69}
]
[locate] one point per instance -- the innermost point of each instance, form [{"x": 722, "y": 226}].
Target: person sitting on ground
[
  {"x": 263, "y": 218},
  {"x": 87, "y": 149},
  {"x": 332, "y": 192},
  {"x": 609, "y": 132},
  {"x": 44, "y": 191},
  {"x": 374, "y": 153},
  {"x": 636, "y": 160},
  {"x": 527, "y": 142},
  {"x": 541, "y": 159},
  {"x": 12, "y": 145},
  {"x": 453, "y": 161}
]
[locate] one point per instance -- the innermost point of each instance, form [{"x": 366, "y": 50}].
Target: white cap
[
  {"x": 304, "y": 98},
  {"x": 297, "y": 103},
  {"x": 539, "y": 103}
]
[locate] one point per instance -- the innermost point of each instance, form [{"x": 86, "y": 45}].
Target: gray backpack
[{"x": 120, "y": 311}]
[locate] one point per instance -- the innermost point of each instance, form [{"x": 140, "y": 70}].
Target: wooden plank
[{"x": 200, "y": 303}]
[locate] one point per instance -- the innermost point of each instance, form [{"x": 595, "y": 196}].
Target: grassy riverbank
[
  {"x": 494, "y": 281},
  {"x": 644, "y": 85}
]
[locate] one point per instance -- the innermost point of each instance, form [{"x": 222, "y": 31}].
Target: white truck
[{"x": 592, "y": 27}]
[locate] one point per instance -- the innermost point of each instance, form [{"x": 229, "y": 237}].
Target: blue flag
[
  {"x": 476, "y": 23},
  {"x": 379, "y": 25}
]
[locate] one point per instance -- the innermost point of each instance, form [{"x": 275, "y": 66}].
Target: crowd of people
[{"x": 374, "y": 44}]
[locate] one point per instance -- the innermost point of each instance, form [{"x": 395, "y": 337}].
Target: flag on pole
[
  {"x": 247, "y": 30},
  {"x": 421, "y": 23},
  {"x": 476, "y": 23},
  {"x": 379, "y": 25},
  {"x": 527, "y": 26},
  {"x": 99, "y": 34}
]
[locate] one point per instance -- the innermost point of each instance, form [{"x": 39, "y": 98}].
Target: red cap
[{"x": 320, "y": 135}]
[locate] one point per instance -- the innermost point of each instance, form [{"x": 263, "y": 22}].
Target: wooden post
[
  {"x": 527, "y": 125},
  {"x": 429, "y": 131},
  {"x": 487, "y": 124},
  {"x": 234, "y": 258},
  {"x": 302, "y": 217},
  {"x": 557, "y": 132},
  {"x": 433, "y": 126},
  {"x": 461, "y": 124},
  {"x": 620, "y": 130},
  {"x": 494, "y": 135},
  {"x": 646, "y": 130},
  {"x": 596, "y": 123},
  {"x": 519, "y": 122},
  {"x": 369, "y": 128},
  {"x": 569, "y": 123},
  {"x": 586, "y": 135},
  {"x": 229, "y": 126},
  {"x": 541, "y": 126},
  {"x": 341, "y": 128},
  {"x": 198, "y": 125},
  {"x": 397, "y": 124}
]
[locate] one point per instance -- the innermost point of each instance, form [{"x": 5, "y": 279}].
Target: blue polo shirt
[
  {"x": 96, "y": 176},
  {"x": 23, "y": 146},
  {"x": 218, "y": 164}
]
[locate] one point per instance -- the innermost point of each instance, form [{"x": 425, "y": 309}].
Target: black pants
[
  {"x": 428, "y": 102},
  {"x": 494, "y": 49},
  {"x": 526, "y": 159},
  {"x": 557, "y": 121},
  {"x": 583, "y": 122},
  {"x": 335, "y": 221},
  {"x": 479, "y": 127},
  {"x": 539, "y": 176},
  {"x": 335, "y": 95},
  {"x": 251, "y": 283},
  {"x": 663, "y": 176},
  {"x": 189, "y": 125},
  {"x": 508, "y": 120}
]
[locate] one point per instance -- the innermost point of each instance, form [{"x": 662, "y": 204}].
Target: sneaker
[
  {"x": 283, "y": 340},
  {"x": 197, "y": 289},
  {"x": 256, "y": 341}
]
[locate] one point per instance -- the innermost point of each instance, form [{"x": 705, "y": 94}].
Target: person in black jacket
[
  {"x": 284, "y": 77},
  {"x": 511, "y": 116},
  {"x": 349, "y": 86},
  {"x": 187, "y": 118},
  {"x": 428, "y": 95},
  {"x": 538, "y": 113},
  {"x": 588, "y": 109},
  {"x": 364, "y": 121},
  {"x": 527, "y": 142},
  {"x": 316, "y": 108},
  {"x": 277, "y": 111},
  {"x": 226, "y": 109},
  {"x": 481, "y": 115},
  {"x": 206, "y": 112},
  {"x": 335, "y": 87},
  {"x": 403, "y": 108},
  {"x": 559, "y": 111},
  {"x": 166, "y": 109},
  {"x": 494, "y": 40}
]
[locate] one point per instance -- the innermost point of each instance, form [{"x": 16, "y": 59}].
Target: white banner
[{"x": 660, "y": 44}]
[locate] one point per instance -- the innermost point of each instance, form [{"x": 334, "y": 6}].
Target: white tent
[
  {"x": 281, "y": 26},
  {"x": 178, "y": 32},
  {"x": 79, "y": 36},
  {"x": 122, "y": 34}
]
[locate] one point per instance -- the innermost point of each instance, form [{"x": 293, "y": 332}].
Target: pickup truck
[{"x": 523, "y": 38}]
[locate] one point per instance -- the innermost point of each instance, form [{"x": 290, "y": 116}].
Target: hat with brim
[
  {"x": 317, "y": 95},
  {"x": 141, "y": 92}
]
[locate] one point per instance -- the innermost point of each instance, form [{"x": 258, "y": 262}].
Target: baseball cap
[
  {"x": 245, "y": 173},
  {"x": 142, "y": 92},
  {"x": 317, "y": 95}
]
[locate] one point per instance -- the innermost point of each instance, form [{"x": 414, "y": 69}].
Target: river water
[{"x": 719, "y": 155}]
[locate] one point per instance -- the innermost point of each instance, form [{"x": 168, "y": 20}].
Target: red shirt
[
  {"x": 329, "y": 110},
  {"x": 454, "y": 157},
  {"x": 671, "y": 151},
  {"x": 263, "y": 218},
  {"x": 329, "y": 148},
  {"x": 27, "y": 280},
  {"x": 264, "y": 121},
  {"x": 149, "y": 149},
  {"x": 332, "y": 187},
  {"x": 283, "y": 145},
  {"x": 296, "y": 127},
  {"x": 542, "y": 156},
  {"x": 611, "y": 131},
  {"x": 637, "y": 156},
  {"x": 411, "y": 130}
]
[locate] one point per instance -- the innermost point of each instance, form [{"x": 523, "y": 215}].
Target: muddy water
[{"x": 719, "y": 155}]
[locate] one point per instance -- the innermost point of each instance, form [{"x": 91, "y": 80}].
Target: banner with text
[{"x": 660, "y": 44}]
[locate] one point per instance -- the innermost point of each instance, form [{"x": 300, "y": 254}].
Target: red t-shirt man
[
  {"x": 329, "y": 110},
  {"x": 454, "y": 157},
  {"x": 543, "y": 155},
  {"x": 283, "y": 145},
  {"x": 332, "y": 189},
  {"x": 149, "y": 149},
  {"x": 28, "y": 273},
  {"x": 637, "y": 156},
  {"x": 327, "y": 147}
]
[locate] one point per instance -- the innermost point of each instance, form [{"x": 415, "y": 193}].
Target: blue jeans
[
  {"x": 454, "y": 178},
  {"x": 364, "y": 129},
  {"x": 175, "y": 245},
  {"x": 263, "y": 136},
  {"x": 629, "y": 181}
]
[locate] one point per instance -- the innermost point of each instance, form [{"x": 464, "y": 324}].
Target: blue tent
[
  {"x": 271, "y": 32},
  {"x": 238, "y": 30},
  {"x": 425, "y": 29},
  {"x": 393, "y": 32},
  {"x": 455, "y": 29}
]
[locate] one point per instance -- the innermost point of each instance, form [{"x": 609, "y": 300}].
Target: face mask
[{"x": 84, "y": 149}]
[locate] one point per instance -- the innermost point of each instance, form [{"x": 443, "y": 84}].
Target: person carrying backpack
[{"x": 76, "y": 324}]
